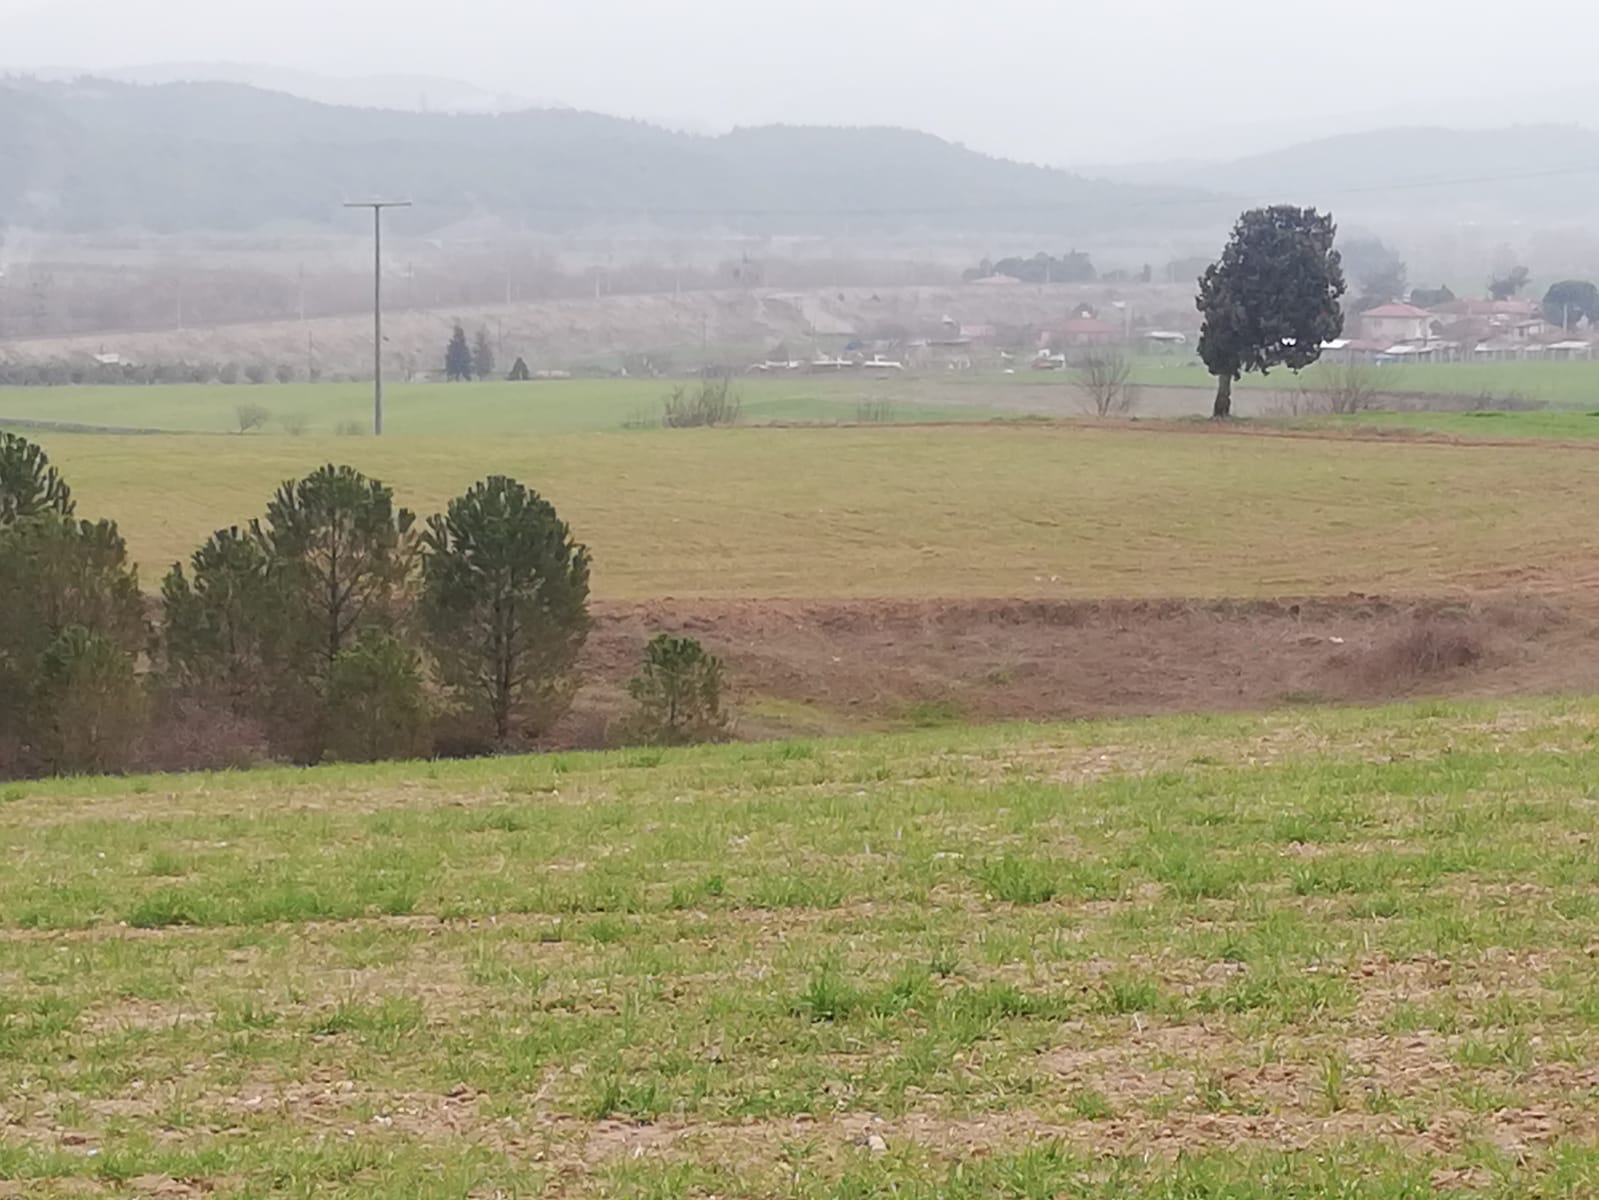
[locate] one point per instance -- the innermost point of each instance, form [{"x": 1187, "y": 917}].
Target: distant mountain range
[
  {"x": 1526, "y": 172},
  {"x": 93, "y": 155},
  {"x": 403, "y": 93}
]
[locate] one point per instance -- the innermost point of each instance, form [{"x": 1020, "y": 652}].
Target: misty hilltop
[
  {"x": 98, "y": 155},
  {"x": 1523, "y": 172}
]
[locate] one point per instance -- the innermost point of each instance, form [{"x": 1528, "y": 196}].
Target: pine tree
[
  {"x": 482, "y": 355},
  {"x": 505, "y": 602},
  {"x": 458, "y": 357}
]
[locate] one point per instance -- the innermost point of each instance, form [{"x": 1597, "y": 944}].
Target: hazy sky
[{"x": 1049, "y": 80}]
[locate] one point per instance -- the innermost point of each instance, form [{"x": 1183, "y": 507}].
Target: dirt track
[{"x": 811, "y": 668}]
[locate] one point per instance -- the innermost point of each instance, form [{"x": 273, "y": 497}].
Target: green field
[
  {"x": 1563, "y": 425},
  {"x": 591, "y": 405},
  {"x": 561, "y": 406},
  {"x": 1571, "y": 385},
  {"x": 1333, "y": 955},
  {"x": 954, "y": 511}
]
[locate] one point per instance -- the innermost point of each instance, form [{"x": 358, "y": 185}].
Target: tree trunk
[{"x": 1224, "y": 398}]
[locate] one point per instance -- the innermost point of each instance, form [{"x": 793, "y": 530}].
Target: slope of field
[
  {"x": 952, "y": 511},
  {"x": 1334, "y": 955}
]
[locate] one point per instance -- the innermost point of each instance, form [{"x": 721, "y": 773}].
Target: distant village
[{"x": 1458, "y": 331}]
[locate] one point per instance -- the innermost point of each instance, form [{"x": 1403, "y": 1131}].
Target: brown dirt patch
[{"x": 808, "y": 668}]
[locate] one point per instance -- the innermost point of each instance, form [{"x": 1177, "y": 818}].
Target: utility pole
[{"x": 377, "y": 207}]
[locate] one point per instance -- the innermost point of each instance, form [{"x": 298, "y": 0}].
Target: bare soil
[{"x": 807, "y": 668}]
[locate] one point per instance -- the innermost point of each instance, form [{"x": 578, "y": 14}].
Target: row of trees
[
  {"x": 463, "y": 362},
  {"x": 1072, "y": 267},
  {"x": 86, "y": 371},
  {"x": 306, "y": 621},
  {"x": 336, "y": 625}
]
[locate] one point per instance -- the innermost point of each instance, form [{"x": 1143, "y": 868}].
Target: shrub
[
  {"x": 678, "y": 694},
  {"x": 256, "y": 373},
  {"x": 228, "y": 373},
  {"x": 505, "y": 603},
  {"x": 200, "y": 732},
  {"x": 712, "y": 402},
  {"x": 250, "y": 416},
  {"x": 375, "y": 703},
  {"x": 1104, "y": 376},
  {"x": 350, "y": 429},
  {"x": 294, "y": 424},
  {"x": 1429, "y": 647}
]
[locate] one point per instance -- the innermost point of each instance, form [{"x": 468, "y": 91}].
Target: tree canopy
[
  {"x": 29, "y": 485},
  {"x": 1424, "y": 297},
  {"x": 1571, "y": 301},
  {"x": 1506, "y": 286},
  {"x": 1272, "y": 298}
]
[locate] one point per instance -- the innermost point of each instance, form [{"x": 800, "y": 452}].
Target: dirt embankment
[{"x": 803, "y": 668}]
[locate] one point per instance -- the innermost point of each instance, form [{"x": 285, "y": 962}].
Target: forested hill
[{"x": 94, "y": 155}]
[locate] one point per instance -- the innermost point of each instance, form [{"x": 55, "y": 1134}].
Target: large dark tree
[
  {"x": 505, "y": 600},
  {"x": 458, "y": 357},
  {"x": 1272, "y": 298},
  {"x": 1570, "y": 301}
]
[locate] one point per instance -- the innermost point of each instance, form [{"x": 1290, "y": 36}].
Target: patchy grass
[
  {"x": 956, "y": 511},
  {"x": 1328, "y": 953}
]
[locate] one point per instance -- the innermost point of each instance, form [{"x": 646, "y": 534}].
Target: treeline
[
  {"x": 334, "y": 627},
  {"x": 75, "y": 372}
]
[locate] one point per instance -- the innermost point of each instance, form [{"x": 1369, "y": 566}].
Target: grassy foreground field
[
  {"x": 957, "y": 511},
  {"x": 1333, "y": 954}
]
